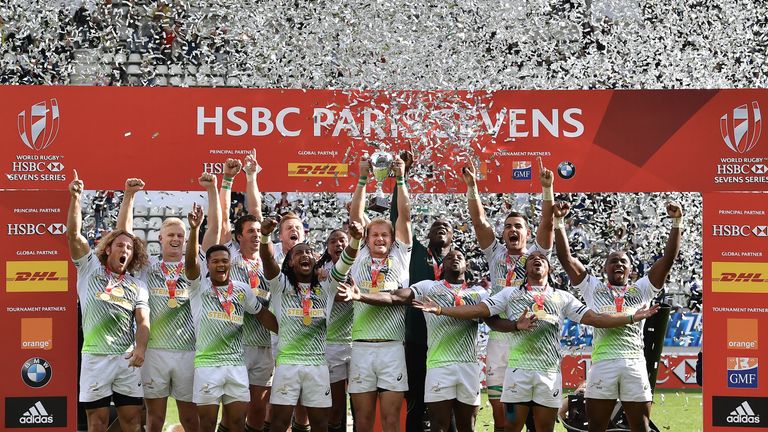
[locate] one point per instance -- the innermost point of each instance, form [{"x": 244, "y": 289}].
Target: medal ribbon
[
  {"x": 253, "y": 271},
  {"x": 511, "y": 267},
  {"x": 226, "y": 304},
  {"x": 457, "y": 296},
  {"x": 111, "y": 283},
  {"x": 436, "y": 268},
  {"x": 539, "y": 296},
  {"x": 171, "y": 277},
  {"x": 306, "y": 303},
  {"x": 376, "y": 268},
  {"x": 618, "y": 296}
]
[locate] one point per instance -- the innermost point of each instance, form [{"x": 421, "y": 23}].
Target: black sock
[
  {"x": 266, "y": 426},
  {"x": 249, "y": 428},
  {"x": 498, "y": 429},
  {"x": 337, "y": 428},
  {"x": 222, "y": 428},
  {"x": 295, "y": 427}
]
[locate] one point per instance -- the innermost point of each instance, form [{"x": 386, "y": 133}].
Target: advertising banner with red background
[
  {"x": 39, "y": 313},
  {"x": 308, "y": 140}
]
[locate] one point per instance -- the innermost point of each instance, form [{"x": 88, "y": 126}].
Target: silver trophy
[{"x": 381, "y": 163}]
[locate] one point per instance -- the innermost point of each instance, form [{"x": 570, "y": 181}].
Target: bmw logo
[
  {"x": 566, "y": 170},
  {"x": 36, "y": 372}
]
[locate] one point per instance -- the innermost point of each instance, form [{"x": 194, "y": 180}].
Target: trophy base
[{"x": 378, "y": 204}]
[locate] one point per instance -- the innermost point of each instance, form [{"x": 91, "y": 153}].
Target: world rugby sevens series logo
[
  {"x": 742, "y": 130},
  {"x": 39, "y": 125}
]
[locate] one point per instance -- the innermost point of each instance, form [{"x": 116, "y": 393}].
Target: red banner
[
  {"x": 39, "y": 314},
  {"x": 676, "y": 371},
  {"x": 307, "y": 140}
]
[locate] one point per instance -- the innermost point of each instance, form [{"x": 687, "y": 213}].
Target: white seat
[
  {"x": 140, "y": 210},
  {"x": 174, "y": 212},
  {"x": 190, "y": 81},
  {"x": 204, "y": 69},
  {"x": 218, "y": 81},
  {"x": 157, "y": 211},
  {"x": 154, "y": 248},
  {"x": 139, "y": 222},
  {"x": 153, "y": 235},
  {"x": 133, "y": 69},
  {"x": 161, "y": 81},
  {"x": 192, "y": 69},
  {"x": 120, "y": 58},
  {"x": 233, "y": 82},
  {"x": 176, "y": 81},
  {"x": 134, "y": 58},
  {"x": 107, "y": 58},
  {"x": 140, "y": 234},
  {"x": 176, "y": 70},
  {"x": 204, "y": 81},
  {"x": 161, "y": 69}
]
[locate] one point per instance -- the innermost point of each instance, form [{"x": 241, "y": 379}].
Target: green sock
[
  {"x": 266, "y": 426},
  {"x": 222, "y": 428},
  {"x": 249, "y": 428},
  {"x": 295, "y": 427}
]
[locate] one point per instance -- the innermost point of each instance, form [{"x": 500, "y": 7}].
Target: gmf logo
[
  {"x": 742, "y": 372},
  {"x": 36, "y": 276},
  {"x": 317, "y": 170},
  {"x": 739, "y": 277},
  {"x": 742, "y": 130},
  {"x": 39, "y": 125}
]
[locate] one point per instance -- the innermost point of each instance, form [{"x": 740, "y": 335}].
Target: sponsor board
[
  {"x": 739, "y": 277},
  {"x": 522, "y": 170},
  {"x": 35, "y": 412},
  {"x": 742, "y": 372},
  {"x": 36, "y": 276},
  {"x": 36, "y": 372},
  {"x": 742, "y": 333},
  {"x": 37, "y": 334},
  {"x": 29, "y": 229},
  {"x": 736, "y": 411},
  {"x": 317, "y": 170}
]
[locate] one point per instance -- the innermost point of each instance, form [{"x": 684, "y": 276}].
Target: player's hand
[
  {"x": 195, "y": 216},
  {"x": 207, "y": 180},
  {"x": 561, "y": 209},
  {"x": 645, "y": 312},
  {"x": 545, "y": 175},
  {"x": 135, "y": 358},
  {"x": 526, "y": 320},
  {"x": 356, "y": 230},
  {"x": 251, "y": 166},
  {"x": 398, "y": 166},
  {"x": 674, "y": 210},
  {"x": 133, "y": 185},
  {"x": 232, "y": 167},
  {"x": 407, "y": 157},
  {"x": 349, "y": 292},
  {"x": 365, "y": 165},
  {"x": 427, "y": 305},
  {"x": 267, "y": 226},
  {"x": 468, "y": 174},
  {"x": 76, "y": 186}
]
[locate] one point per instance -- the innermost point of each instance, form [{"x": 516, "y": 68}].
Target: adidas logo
[
  {"x": 743, "y": 414},
  {"x": 36, "y": 414}
]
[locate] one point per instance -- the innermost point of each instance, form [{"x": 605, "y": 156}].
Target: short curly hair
[{"x": 139, "y": 260}]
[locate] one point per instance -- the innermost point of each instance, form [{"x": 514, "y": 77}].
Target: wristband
[
  {"x": 362, "y": 181},
  {"x": 264, "y": 239},
  {"x": 226, "y": 183},
  {"x": 400, "y": 181},
  {"x": 631, "y": 319},
  {"x": 677, "y": 222},
  {"x": 548, "y": 194},
  {"x": 355, "y": 243},
  {"x": 227, "y": 179},
  {"x": 471, "y": 193},
  {"x": 559, "y": 223},
  {"x": 226, "y": 186}
]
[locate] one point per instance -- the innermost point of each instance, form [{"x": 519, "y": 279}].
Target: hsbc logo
[
  {"x": 741, "y": 130},
  {"x": 36, "y": 229},
  {"x": 739, "y": 230},
  {"x": 35, "y": 167},
  {"x": 39, "y": 125}
]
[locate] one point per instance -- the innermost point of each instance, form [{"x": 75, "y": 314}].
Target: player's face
[
  {"x": 440, "y": 233},
  {"x": 119, "y": 253},
  {"x": 617, "y": 268},
  {"x": 455, "y": 262},
  {"x": 303, "y": 259},
  {"x": 218, "y": 267},
  {"x": 537, "y": 266},
  {"x": 249, "y": 238},
  {"x": 379, "y": 240},
  {"x": 336, "y": 244},
  {"x": 291, "y": 233},
  {"x": 172, "y": 239},
  {"x": 515, "y": 234}
]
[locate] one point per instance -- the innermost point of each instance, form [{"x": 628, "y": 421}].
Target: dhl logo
[
  {"x": 740, "y": 277},
  {"x": 317, "y": 170},
  {"x": 36, "y": 276}
]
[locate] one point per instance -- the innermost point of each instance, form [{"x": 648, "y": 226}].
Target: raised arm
[
  {"x": 573, "y": 267},
  {"x": 213, "y": 233},
  {"x": 78, "y": 245},
  {"x": 125, "y": 215},
  {"x": 231, "y": 168},
  {"x": 483, "y": 228},
  {"x": 544, "y": 231},
  {"x": 252, "y": 193},
  {"x": 660, "y": 269},
  {"x": 357, "y": 208},
  {"x": 403, "y": 224},
  {"x": 601, "y": 320},
  {"x": 267, "y": 254},
  {"x": 191, "y": 266}
]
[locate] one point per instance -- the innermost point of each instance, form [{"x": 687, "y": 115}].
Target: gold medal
[
  {"x": 118, "y": 292},
  {"x": 307, "y": 320},
  {"x": 541, "y": 314},
  {"x": 173, "y": 303},
  {"x": 104, "y": 296}
]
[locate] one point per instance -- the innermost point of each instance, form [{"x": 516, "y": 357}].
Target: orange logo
[
  {"x": 37, "y": 333},
  {"x": 742, "y": 334},
  {"x": 317, "y": 170},
  {"x": 740, "y": 277},
  {"x": 36, "y": 276}
]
